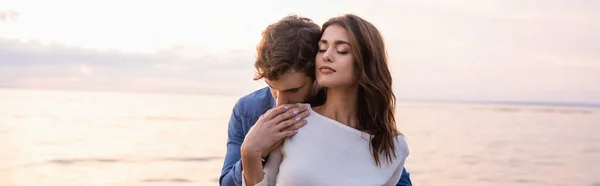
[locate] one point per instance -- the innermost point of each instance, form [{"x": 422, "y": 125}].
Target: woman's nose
[{"x": 327, "y": 57}]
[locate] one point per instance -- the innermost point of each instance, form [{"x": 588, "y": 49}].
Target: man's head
[{"x": 286, "y": 58}]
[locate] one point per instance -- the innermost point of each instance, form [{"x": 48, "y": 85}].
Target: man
[{"x": 285, "y": 60}]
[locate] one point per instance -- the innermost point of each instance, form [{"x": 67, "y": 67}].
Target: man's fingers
[{"x": 279, "y": 110}]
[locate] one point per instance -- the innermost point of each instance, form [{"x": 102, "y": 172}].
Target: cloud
[
  {"x": 472, "y": 83},
  {"x": 8, "y": 16},
  {"x": 489, "y": 32},
  {"x": 489, "y": 49},
  {"x": 178, "y": 69},
  {"x": 492, "y": 50},
  {"x": 85, "y": 70}
]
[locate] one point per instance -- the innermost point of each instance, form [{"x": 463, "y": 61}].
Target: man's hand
[{"x": 273, "y": 127}]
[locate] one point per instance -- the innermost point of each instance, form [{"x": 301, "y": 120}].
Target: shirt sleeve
[
  {"x": 404, "y": 179},
  {"x": 396, "y": 176},
  {"x": 400, "y": 176},
  {"x": 231, "y": 173}
]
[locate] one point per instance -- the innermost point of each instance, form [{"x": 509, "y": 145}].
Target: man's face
[{"x": 291, "y": 87}]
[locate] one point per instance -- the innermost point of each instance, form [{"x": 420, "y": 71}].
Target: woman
[{"x": 352, "y": 138}]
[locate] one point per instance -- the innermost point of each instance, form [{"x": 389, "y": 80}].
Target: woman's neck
[{"x": 341, "y": 105}]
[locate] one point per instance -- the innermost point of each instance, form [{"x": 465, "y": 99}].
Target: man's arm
[
  {"x": 404, "y": 179},
  {"x": 231, "y": 174}
]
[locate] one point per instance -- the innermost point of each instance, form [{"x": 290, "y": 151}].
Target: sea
[{"x": 75, "y": 137}]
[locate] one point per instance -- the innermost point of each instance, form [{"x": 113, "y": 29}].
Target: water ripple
[
  {"x": 109, "y": 160},
  {"x": 71, "y": 161},
  {"x": 167, "y": 180},
  {"x": 200, "y": 159}
]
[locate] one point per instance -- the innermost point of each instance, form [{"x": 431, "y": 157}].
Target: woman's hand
[
  {"x": 274, "y": 126},
  {"x": 267, "y": 134}
]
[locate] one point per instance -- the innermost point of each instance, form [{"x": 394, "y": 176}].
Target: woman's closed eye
[{"x": 339, "y": 51}]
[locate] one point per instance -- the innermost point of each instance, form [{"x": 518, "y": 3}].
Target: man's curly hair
[{"x": 289, "y": 44}]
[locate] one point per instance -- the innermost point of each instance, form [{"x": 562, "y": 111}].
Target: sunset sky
[{"x": 509, "y": 50}]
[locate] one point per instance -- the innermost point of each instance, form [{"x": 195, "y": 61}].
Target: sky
[{"x": 498, "y": 50}]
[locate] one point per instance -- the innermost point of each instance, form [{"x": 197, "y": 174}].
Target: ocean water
[{"x": 51, "y": 137}]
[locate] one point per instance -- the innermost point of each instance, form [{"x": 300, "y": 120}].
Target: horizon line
[
  {"x": 509, "y": 102},
  {"x": 502, "y": 102}
]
